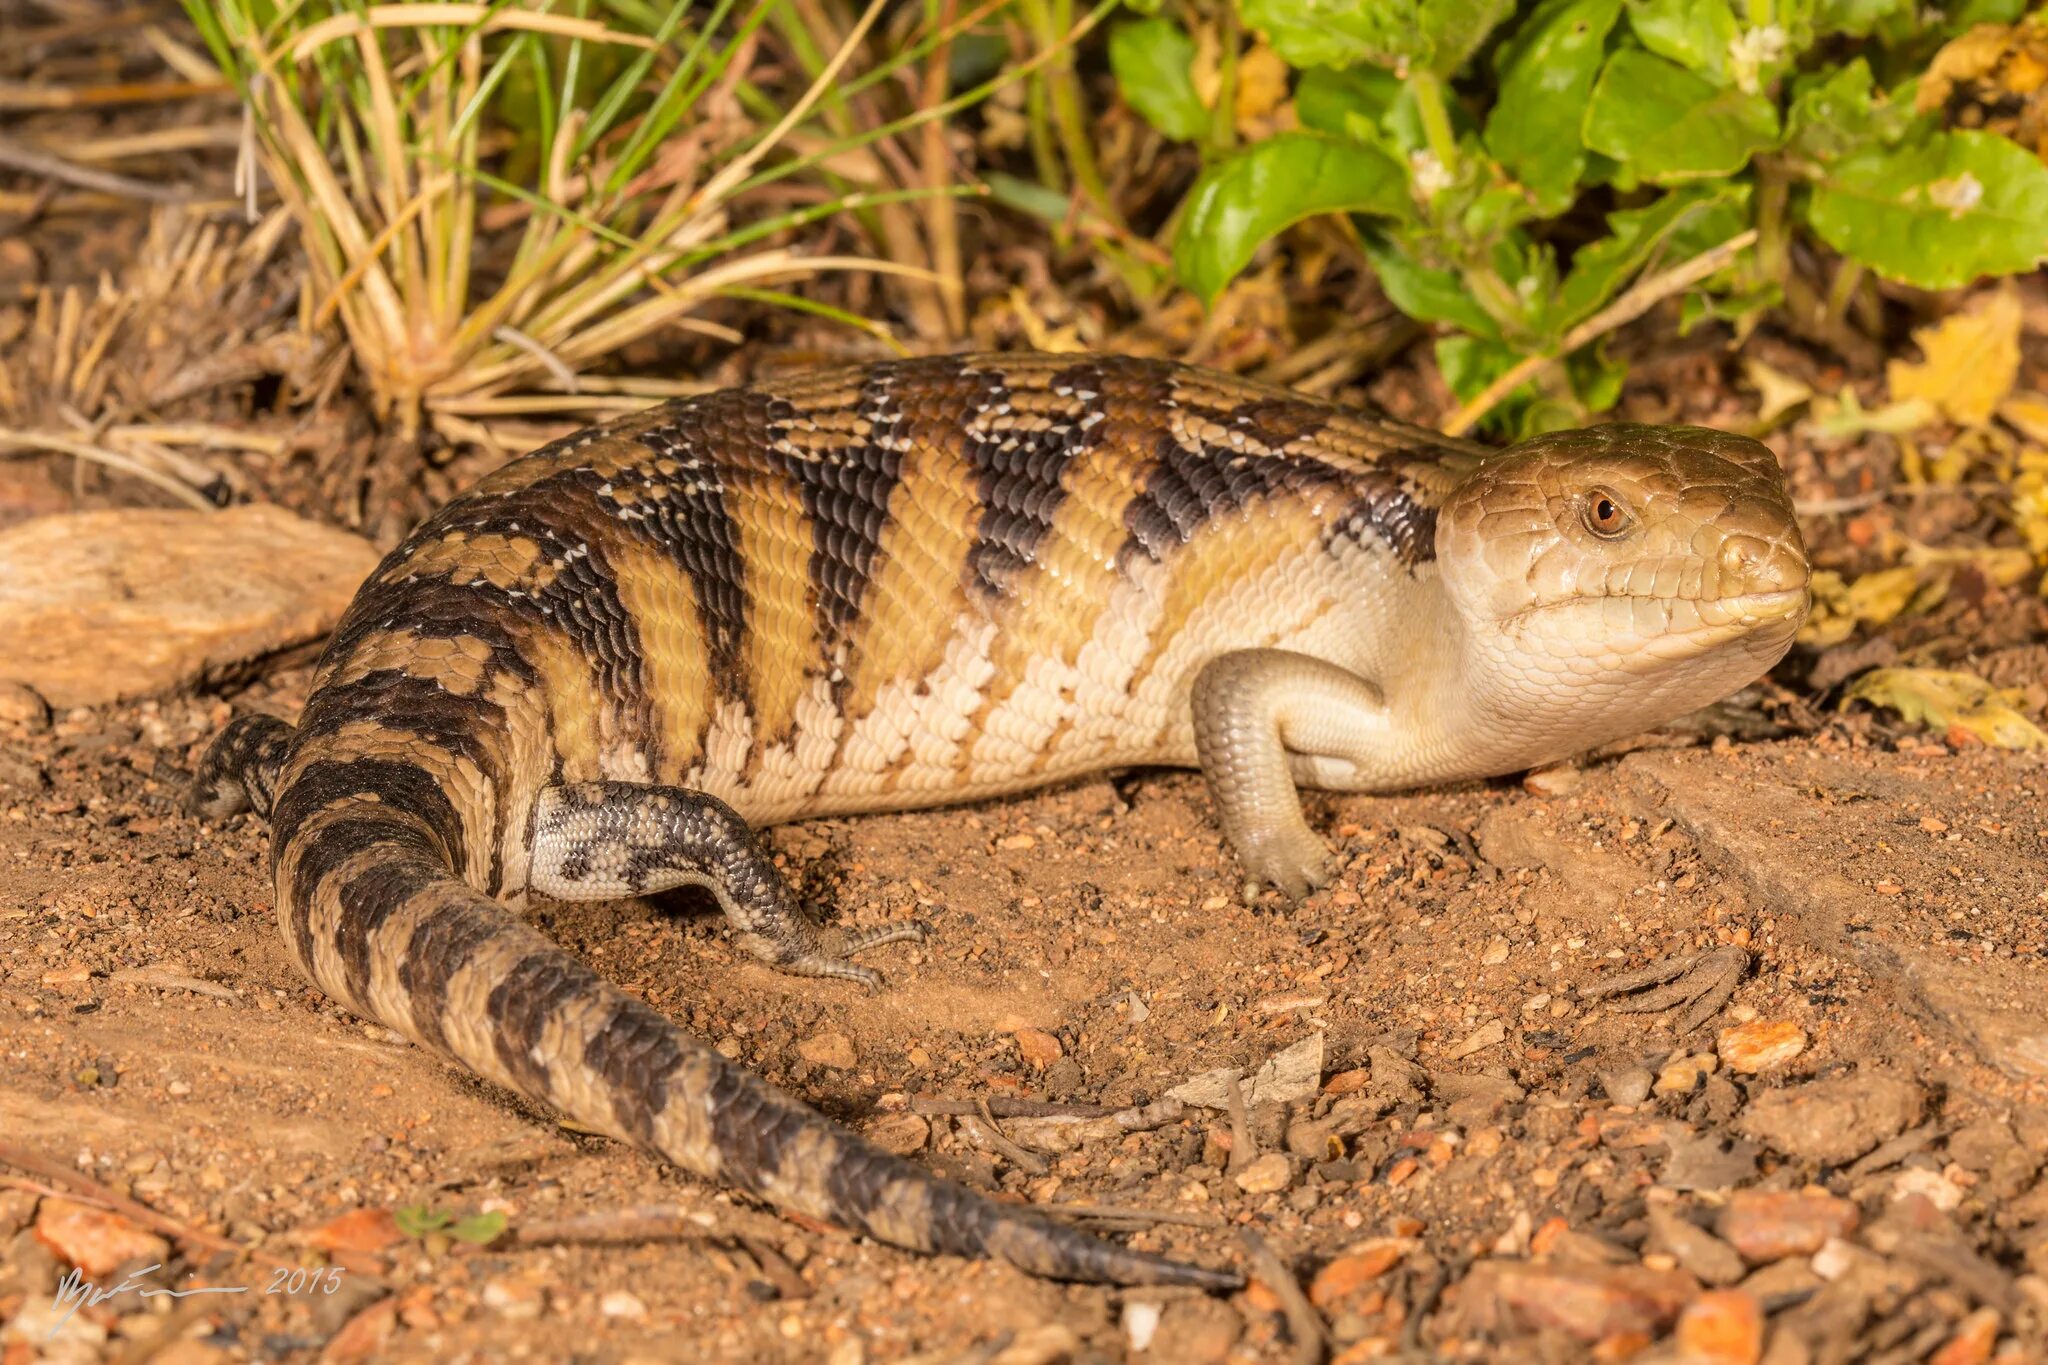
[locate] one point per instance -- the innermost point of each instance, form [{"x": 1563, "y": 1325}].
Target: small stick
[
  {"x": 86, "y": 1190},
  {"x": 1640, "y": 299},
  {"x": 85, "y": 177},
  {"x": 1303, "y": 1322},
  {"x": 777, "y": 1268},
  {"x": 992, "y": 1135},
  {"x": 1425, "y": 1304},
  {"x": 1244, "y": 1148},
  {"x": 1004, "y": 1108},
  {"x": 1178, "y": 1219},
  {"x": 643, "y": 1223}
]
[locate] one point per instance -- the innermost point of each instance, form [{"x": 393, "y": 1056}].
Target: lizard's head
[{"x": 1638, "y": 571}]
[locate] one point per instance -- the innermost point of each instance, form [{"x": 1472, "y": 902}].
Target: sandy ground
[{"x": 154, "y": 1039}]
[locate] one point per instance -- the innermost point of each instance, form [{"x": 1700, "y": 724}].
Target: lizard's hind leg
[
  {"x": 602, "y": 840},
  {"x": 241, "y": 767}
]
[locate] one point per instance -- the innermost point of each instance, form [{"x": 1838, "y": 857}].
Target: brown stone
[
  {"x": 901, "y": 1134},
  {"x": 94, "y": 1240},
  {"x": 1835, "y": 1120},
  {"x": 1591, "y": 1303},
  {"x": 1355, "y": 1271},
  {"x": 1760, "y": 1045},
  {"x": 1038, "y": 1048},
  {"x": 829, "y": 1049},
  {"x": 98, "y": 606},
  {"x": 361, "y": 1230},
  {"x": 1768, "y": 1225},
  {"x": 1725, "y": 1327}
]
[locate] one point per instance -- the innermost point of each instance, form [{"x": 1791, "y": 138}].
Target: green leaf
[
  {"x": 1152, "y": 59},
  {"x": 1840, "y": 112},
  {"x": 1456, "y": 28},
  {"x": 417, "y": 1220},
  {"x": 1341, "y": 32},
  {"x": 1469, "y": 364},
  {"x": 1938, "y": 213},
  {"x": 1596, "y": 379},
  {"x": 480, "y": 1229},
  {"x": 1239, "y": 203},
  {"x": 1856, "y": 17},
  {"x": 1425, "y": 292},
  {"x": 1694, "y": 33},
  {"x": 1326, "y": 101},
  {"x": 1634, "y": 237},
  {"x": 1665, "y": 124},
  {"x": 1546, "y": 71}
]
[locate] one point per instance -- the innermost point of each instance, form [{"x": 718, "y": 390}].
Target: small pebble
[
  {"x": 1767, "y": 1225},
  {"x": 1562, "y": 781},
  {"x": 829, "y": 1049},
  {"x": 1628, "y": 1085},
  {"x": 1269, "y": 1174},
  {"x": 1683, "y": 1075},
  {"x": 1722, "y": 1327},
  {"x": 1936, "y": 1188},
  {"x": 622, "y": 1303},
  {"x": 1038, "y": 1048},
  {"x": 900, "y": 1134},
  {"x": 1972, "y": 1343},
  {"x": 1141, "y": 1320},
  {"x": 23, "y": 705},
  {"x": 515, "y": 1298},
  {"x": 1496, "y": 952},
  {"x": 1356, "y": 1270},
  {"x": 1760, "y": 1046}
]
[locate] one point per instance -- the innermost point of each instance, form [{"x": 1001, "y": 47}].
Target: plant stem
[{"x": 1640, "y": 299}]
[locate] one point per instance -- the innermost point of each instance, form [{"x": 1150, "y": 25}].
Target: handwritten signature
[{"x": 78, "y": 1292}]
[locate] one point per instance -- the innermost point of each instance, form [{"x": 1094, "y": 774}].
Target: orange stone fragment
[
  {"x": 362, "y": 1230},
  {"x": 1349, "y": 1274},
  {"x": 1724, "y": 1327},
  {"x": 94, "y": 1240}
]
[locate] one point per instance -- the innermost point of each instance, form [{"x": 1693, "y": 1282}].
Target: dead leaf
[
  {"x": 1951, "y": 703},
  {"x": 1972, "y": 360},
  {"x": 1994, "y": 77},
  {"x": 1779, "y": 391},
  {"x": 1875, "y": 599}
]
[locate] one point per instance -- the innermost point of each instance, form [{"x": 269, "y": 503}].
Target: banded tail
[{"x": 364, "y": 854}]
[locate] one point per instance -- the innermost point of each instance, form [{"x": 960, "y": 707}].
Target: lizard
[{"x": 604, "y": 668}]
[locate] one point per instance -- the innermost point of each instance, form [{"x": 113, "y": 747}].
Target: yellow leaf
[
  {"x": 1844, "y": 416},
  {"x": 1261, "y": 86},
  {"x": 2027, "y": 413},
  {"x": 1972, "y": 360},
  {"x": 1872, "y": 600},
  {"x": 1949, "y": 702},
  {"x": 1780, "y": 391}
]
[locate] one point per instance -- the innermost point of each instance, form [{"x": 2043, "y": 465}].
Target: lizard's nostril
[
  {"x": 1752, "y": 564},
  {"x": 1740, "y": 556}
]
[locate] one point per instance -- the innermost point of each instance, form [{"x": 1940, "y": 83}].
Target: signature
[{"x": 74, "y": 1292}]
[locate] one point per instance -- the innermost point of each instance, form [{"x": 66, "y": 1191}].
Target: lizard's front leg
[
  {"x": 601, "y": 840},
  {"x": 1260, "y": 716}
]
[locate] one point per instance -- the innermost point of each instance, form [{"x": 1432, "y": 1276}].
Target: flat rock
[
  {"x": 1835, "y": 1120},
  {"x": 100, "y": 606},
  {"x": 1813, "y": 840}
]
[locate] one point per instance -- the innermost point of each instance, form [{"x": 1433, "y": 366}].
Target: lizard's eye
[{"x": 1605, "y": 516}]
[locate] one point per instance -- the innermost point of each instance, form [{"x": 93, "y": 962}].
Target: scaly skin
[{"x": 927, "y": 582}]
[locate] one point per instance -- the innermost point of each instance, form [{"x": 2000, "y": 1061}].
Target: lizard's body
[{"x": 930, "y": 582}]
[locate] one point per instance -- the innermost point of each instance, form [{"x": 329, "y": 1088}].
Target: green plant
[
  {"x": 467, "y": 296},
  {"x": 1511, "y": 169}
]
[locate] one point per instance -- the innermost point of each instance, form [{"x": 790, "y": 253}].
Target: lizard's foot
[
  {"x": 1701, "y": 982},
  {"x": 807, "y": 952},
  {"x": 597, "y": 840},
  {"x": 1293, "y": 860}
]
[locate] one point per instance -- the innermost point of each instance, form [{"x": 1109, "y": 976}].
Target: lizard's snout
[{"x": 1751, "y": 565}]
